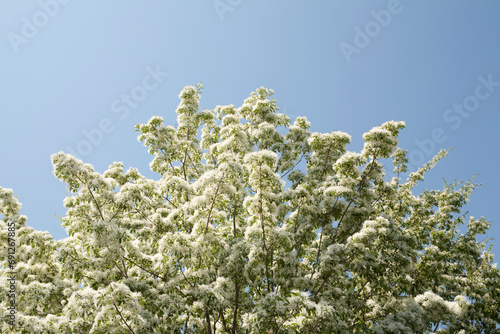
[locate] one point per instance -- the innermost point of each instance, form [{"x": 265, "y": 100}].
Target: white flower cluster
[{"x": 254, "y": 225}]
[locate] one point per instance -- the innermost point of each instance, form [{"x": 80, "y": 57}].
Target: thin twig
[{"x": 123, "y": 319}]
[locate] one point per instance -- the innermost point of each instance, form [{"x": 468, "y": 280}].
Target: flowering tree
[{"x": 254, "y": 226}]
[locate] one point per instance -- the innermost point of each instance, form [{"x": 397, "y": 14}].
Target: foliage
[{"x": 234, "y": 238}]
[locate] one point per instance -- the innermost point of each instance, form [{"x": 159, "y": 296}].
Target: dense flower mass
[{"x": 254, "y": 225}]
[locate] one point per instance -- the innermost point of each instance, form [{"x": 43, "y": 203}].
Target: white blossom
[{"x": 252, "y": 225}]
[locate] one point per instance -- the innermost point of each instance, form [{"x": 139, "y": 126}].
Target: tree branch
[
  {"x": 207, "y": 318},
  {"x": 123, "y": 319},
  {"x": 213, "y": 203},
  {"x": 92, "y": 194},
  {"x": 301, "y": 157},
  {"x": 235, "y": 311}
]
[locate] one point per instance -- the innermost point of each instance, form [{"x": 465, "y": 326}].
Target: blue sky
[{"x": 75, "y": 68}]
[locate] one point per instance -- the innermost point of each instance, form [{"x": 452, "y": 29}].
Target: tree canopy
[{"x": 254, "y": 225}]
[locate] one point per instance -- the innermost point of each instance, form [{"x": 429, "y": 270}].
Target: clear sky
[{"x": 77, "y": 69}]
